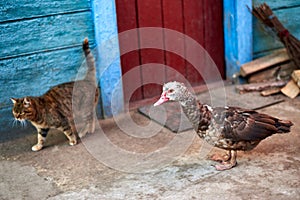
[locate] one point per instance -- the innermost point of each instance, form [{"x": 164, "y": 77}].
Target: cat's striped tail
[
  {"x": 85, "y": 46},
  {"x": 90, "y": 61}
]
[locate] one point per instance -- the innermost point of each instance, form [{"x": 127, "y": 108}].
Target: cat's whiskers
[
  {"x": 16, "y": 122},
  {"x": 13, "y": 122},
  {"x": 23, "y": 123}
]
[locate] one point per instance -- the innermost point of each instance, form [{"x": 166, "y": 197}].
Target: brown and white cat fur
[{"x": 55, "y": 109}]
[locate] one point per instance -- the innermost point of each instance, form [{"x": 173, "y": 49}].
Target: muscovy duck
[{"x": 229, "y": 128}]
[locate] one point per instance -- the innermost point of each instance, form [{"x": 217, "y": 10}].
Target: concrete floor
[{"x": 160, "y": 165}]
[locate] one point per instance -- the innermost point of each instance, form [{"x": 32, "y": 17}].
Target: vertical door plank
[
  {"x": 214, "y": 40},
  {"x": 150, "y": 15},
  {"x": 127, "y": 20},
  {"x": 173, "y": 19},
  {"x": 194, "y": 28}
]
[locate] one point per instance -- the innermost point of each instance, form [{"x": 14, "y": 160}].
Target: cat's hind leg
[
  {"x": 89, "y": 125},
  {"x": 93, "y": 124},
  {"x": 42, "y": 134},
  {"x": 84, "y": 130}
]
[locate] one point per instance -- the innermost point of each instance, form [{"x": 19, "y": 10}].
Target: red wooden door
[{"x": 202, "y": 20}]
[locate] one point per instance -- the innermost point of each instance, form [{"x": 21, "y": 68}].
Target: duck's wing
[{"x": 241, "y": 124}]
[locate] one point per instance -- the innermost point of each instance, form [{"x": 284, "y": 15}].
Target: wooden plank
[
  {"x": 263, "y": 41},
  {"x": 194, "y": 28},
  {"x": 28, "y": 36},
  {"x": 173, "y": 19},
  {"x": 35, "y": 74},
  {"x": 20, "y": 9},
  {"x": 150, "y": 15},
  {"x": 282, "y": 72},
  {"x": 259, "y": 86},
  {"x": 296, "y": 77},
  {"x": 213, "y": 32},
  {"x": 265, "y": 75},
  {"x": 127, "y": 20},
  {"x": 270, "y": 91},
  {"x": 291, "y": 89},
  {"x": 264, "y": 62}
]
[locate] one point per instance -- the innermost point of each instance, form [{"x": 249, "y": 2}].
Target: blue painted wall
[{"x": 40, "y": 47}]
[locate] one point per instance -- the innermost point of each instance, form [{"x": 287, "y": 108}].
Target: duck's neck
[{"x": 190, "y": 107}]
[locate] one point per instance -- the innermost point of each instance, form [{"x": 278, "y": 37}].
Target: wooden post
[
  {"x": 108, "y": 54},
  {"x": 238, "y": 34}
]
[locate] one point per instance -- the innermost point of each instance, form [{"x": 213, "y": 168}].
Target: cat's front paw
[
  {"x": 72, "y": 143},
  {"x": 37, "y": 147}
]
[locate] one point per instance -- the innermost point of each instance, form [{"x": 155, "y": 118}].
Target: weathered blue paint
[
  {"x": 45, "y": 33},
  {"x": 238, "y": 34},
  {"x": 25, "y": 9},
  {"x": 108, "y": 64},
  {"x": 33, "y": 75}
]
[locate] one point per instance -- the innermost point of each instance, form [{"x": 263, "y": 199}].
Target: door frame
[{"x": 238, "y": 35}]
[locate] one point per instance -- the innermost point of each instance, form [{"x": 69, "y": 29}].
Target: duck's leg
[
  {"x": 220, "y": 158},
  {"x": 228, "y": 164}
]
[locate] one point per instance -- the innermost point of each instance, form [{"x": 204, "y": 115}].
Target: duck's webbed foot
[{"x": 230, "y": 163}]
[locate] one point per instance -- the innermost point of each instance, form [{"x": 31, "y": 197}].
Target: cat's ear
[
  {"x": 26, "y": 102},
  {"x": 14, "y": 100}
]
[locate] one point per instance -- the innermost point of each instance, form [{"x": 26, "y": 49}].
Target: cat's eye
[{"x": 26, "y": 105}]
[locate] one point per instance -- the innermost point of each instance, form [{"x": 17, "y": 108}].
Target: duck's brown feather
[{"x": 247, "y": 125}]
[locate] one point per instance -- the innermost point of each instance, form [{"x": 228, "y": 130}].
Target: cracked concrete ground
[{"x": 60, "y": 171}]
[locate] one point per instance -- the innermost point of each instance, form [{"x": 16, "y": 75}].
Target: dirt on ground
[{"x": 115, "y": 163}]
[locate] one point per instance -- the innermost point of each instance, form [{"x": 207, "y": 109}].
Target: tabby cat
[{"x": 63, "y": 106}]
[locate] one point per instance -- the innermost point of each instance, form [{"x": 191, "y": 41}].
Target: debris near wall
[
  {"x": 261, "y": 87},
  {"x": 278, "y": 71},
  {"x": 292, "y": 89},
  {"x": 270, "y": 75}
]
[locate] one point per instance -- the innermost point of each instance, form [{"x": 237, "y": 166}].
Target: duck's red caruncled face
[{"x": 163, "y": 98}]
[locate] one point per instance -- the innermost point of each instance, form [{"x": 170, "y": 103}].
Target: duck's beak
[{"x": 162, "y": 99}]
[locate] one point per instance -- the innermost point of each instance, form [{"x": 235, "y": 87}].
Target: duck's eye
[{"x": 171, "y": 90}]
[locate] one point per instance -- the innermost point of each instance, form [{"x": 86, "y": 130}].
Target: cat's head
[{"x": 23, "y": 108}]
